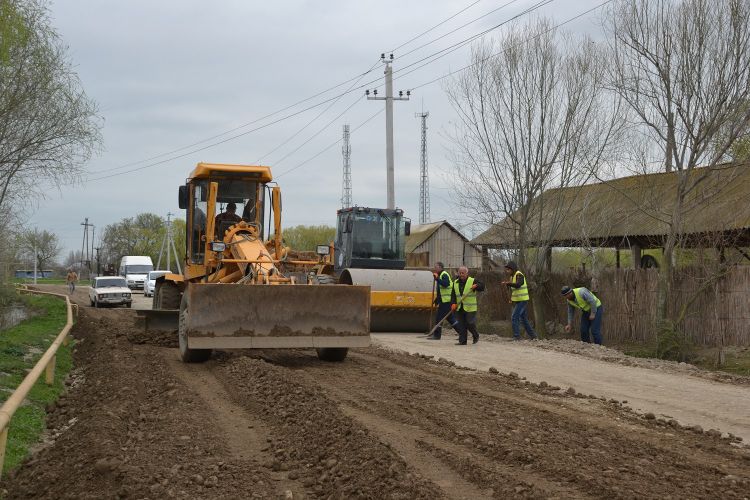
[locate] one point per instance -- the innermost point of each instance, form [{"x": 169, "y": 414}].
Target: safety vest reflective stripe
[
  {"x": 470, "y": 296},
  {"x": 445, "y": 291},
  {"x": 522, "y": 293},
  {"x": 582, "y": 304}
]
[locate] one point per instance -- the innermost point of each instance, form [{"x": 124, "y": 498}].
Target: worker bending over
[{"x": 591, "y": 317}]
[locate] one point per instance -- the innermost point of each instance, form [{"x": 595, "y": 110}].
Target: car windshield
[
  {"x": 110, "y": 282},
  {"x": 138, "y": 268},
  {"x": 155, "y": 274}
]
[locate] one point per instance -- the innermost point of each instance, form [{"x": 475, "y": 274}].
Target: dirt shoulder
[{"x": 671, "y": 395}]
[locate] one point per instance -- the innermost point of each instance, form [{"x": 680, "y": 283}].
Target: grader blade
[
  {"x": 158, "y": 320},
  {"x": 226, "y": 316}
]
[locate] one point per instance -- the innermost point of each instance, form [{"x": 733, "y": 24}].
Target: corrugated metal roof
[{"x": 639, "y": 207}]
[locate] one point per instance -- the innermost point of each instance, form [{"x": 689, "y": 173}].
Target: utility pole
[
  {"x": 388, "y": 122},
  {"x": 346, "y": 188},
  {"x": 35, "y": 257},
  {"x": 85, "y": 245},
  {"x": 167, "y": 244},
  {"x": 98, "y": 262},
  {"x": 424, "y": 179}
]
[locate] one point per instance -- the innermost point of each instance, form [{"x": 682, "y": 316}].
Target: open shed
[{"x": 631, "y": 213}]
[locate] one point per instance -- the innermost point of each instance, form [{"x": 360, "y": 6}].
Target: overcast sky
[{"x": 173, "y": 73}]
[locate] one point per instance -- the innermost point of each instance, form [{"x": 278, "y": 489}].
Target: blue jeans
[
  {"x": 594, "y": 326},
  {"x": 521, "y": 316}
]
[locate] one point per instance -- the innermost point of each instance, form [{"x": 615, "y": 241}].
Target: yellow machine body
[{"x": 235, "y": 292}]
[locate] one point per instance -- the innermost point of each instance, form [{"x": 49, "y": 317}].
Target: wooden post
[
  {"x": 617, "y": 257},
  {"x": 635, "y": 251},
  {"x": 49, "y": 376},
  {"x": 3, "y": 442}
]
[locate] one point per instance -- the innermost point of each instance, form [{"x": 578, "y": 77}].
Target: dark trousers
[
  {"x": 594, "y": 326},
  {"x": 467, "y": 321},
  {"x": 521, "y": 317},
  {"x": 442, "y": 310}
]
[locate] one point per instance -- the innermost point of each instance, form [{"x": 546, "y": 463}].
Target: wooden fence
[
  {"x": 719, "y": 313},
  {"x": 45, "y": 364}
]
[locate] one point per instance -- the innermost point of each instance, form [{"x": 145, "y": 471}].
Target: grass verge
[{"x": 20, "y": 349}]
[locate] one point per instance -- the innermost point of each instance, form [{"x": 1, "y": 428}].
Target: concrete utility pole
[
  {"x": 346, "y": 188},
  {"x": 388, "y": 122},
  {"x": 85, "y": 245},
  {"x": 424, "y": 179}
]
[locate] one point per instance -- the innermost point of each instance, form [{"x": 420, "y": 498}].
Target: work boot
[
  {"x": 460, "y": 343},
  {"x": 475, "y": 340}
]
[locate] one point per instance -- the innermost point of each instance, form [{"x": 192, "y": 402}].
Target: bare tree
[
  {"x": 534, "y": 115},
  {"x": 683, "y": 67},
  {"x": 48, "y": 126}
]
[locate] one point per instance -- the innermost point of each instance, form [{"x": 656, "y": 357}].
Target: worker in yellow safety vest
[
  {"x": 519, "y": 297},
  {"x": 592, "y": 311},
  {"x": 444, "y": 285},
  {"x": 464, "y": 304}
]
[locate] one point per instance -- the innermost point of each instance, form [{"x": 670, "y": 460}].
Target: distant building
[
  {"x": 440, "y": 241},
  {"x": 29, "y": 273}
]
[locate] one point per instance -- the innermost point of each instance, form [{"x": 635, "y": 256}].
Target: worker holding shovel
[{"x": 442, "y": 301}]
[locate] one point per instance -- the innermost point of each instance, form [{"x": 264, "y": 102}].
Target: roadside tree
[
  {"x": 683, "y": 68},
  {"x": 48, "y": 125},
  {"x": 533, "y": 115},
  {"x": 44, "y": 244}
]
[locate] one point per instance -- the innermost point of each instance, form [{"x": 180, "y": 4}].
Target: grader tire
[
  {"x": 167, "y": 296},
  {"x": 333, "y": 354}
]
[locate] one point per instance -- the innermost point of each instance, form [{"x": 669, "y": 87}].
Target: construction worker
[
  {"x": 71, "y": 279},
  {"x": 591, "y": 319},
  {"x": 444, "y": 285},
  {"x": 230, "y": 214},
  {"x": 464, "y": 304},
  {"x": 519, "y": 297}
]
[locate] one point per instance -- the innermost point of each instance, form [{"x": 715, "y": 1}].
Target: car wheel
[{"x": 96, "y": 304}]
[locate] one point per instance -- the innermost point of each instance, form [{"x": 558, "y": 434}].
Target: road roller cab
[
  {"x": 369, "y": 250},
  {"x": 370, "y": 238}
]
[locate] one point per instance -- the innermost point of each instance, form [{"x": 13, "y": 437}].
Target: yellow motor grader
[{"x": 235, "y": 292}]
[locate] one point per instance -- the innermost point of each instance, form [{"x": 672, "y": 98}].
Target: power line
[
  {"x": 570, "y": 20},
  {"x": 274, "y": 113},
  {"x": 436, "y": 26},
  {"x": 330, "y": 145},
  {"x": 578, "y": 16},
  {"x": 435, "y": 56},
  {"x": 457, "y": 29},
  {"x": 290, "y": 138}
]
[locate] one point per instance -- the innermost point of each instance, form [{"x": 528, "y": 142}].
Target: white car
[
  {"x": 150, "y": 282},
  {"x": 110, "y": 290}
]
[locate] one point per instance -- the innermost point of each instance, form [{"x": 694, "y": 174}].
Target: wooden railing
[{"x": 46, "y": 363}]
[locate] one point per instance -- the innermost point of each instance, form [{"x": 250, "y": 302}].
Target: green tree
[
  {"x": 46, "y": 244},
  {"x": 48, "y": 125},
  {"x": 306, "y": 238}
]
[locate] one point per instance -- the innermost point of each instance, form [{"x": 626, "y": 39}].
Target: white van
[{"x": 134, "y": 269}]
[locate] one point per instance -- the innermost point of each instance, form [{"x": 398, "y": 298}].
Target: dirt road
[
  {"x": 136, "y": 423},
  {"x": 690, "y": 400}
]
